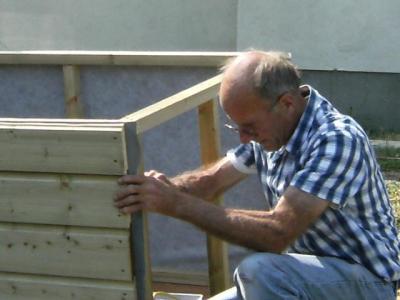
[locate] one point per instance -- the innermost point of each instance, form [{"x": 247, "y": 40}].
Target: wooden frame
[
  {"x": 201, "y": 96},
  {"x": 116, "y": 58}
]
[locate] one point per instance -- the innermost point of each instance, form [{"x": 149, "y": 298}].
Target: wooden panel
[
  {"x": 64, "y": 251},
  {"x": 218, "y": 265},
  {"x": 79, "y": 150},
  {"x": 31, "y": 287},
  {"x": 175, "y": 105},
  {"x": 125, "y": 58},
  {"x": 60, "y": 199}
]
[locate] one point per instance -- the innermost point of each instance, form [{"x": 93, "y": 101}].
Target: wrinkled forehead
[{"x": 240, "y": 103}]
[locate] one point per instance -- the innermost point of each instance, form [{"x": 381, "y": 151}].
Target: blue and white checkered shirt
[{"x": 329, "y": 156}]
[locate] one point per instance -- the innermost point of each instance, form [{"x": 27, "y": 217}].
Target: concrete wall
[
  {"x": 371, "y": 98},
  {"x": 118, "y": 25}
]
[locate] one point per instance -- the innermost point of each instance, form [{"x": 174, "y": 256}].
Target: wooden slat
[
  {"x": 123, "y": 58},
  {"x": 64, "y": 251},
  {"x": 180, "y": 277},
  {"x": 32, "y": 287},
  {"x": 61, "y": 122},
  {"x": 60, "y": 199},
  {"x": 72, "y": 92},
  {"x": 218, "y": 266},
  {"x": 175, "y": 105},
  {"x": 62, "y": 150}
]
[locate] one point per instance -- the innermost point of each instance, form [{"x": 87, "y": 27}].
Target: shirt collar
[{"x": 303, "y": 127}]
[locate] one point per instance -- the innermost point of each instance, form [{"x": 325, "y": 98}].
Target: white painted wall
[
  {"x": 352, "y": 35},
  {"x": 118, "y": 25}
]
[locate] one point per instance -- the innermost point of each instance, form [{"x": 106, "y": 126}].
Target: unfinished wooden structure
[
  {"x": 59, "y": 234},
  {"x": 61, "y": 237}
]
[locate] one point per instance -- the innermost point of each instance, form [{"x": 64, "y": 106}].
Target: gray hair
[{"x": 274, "y": 74}]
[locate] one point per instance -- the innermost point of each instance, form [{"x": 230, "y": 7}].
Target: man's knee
[{"x": 255, "y": 265}]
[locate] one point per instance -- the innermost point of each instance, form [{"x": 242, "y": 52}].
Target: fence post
[
  {"x": 210, "y": 152},
  {"x": 73, "y": 104},
  {"x": 139, "y": 223}
]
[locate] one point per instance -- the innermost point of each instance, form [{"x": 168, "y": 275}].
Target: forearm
[
  {"x": 257, "y": 230},
  {"x": 208, "y": 182}
]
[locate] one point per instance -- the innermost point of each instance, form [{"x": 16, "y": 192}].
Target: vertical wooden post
[
  {"x": 139, "y": 224},
  {"x": 73, "y": 105},
  {"x": 210, "y": 148}
]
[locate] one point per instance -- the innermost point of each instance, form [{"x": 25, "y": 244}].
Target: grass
[
  {"x": 384, "y": 135},
  {"x": 389, "y": 164},
  {"x": 389, "y": 158},
  {"x": 394, "y": 194}
]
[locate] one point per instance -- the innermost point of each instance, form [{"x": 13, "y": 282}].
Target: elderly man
[{"x": 329, "y": 232}]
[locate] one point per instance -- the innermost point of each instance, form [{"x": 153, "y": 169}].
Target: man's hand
[{"x": 152, "y": 191}]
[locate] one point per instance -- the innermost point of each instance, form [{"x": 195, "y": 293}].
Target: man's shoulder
[{"x": 338, "y": 132}]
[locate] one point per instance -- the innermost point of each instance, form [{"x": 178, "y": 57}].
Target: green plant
[{"x": 394, "y": 195}]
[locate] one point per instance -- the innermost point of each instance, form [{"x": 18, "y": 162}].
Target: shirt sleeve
[
  {"x": 242, "y": 158},
  {"x": 335, "y": 168}
]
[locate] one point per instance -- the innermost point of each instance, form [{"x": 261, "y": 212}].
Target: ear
[{"x": 287, "y": 102}]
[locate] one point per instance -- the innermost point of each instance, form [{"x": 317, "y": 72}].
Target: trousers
[{"x": 297, "y": 276}]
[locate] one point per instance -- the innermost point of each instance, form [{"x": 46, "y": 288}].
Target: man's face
[{"x": 256, "y": 119}]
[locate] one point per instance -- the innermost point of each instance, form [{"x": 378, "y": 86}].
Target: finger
[
  {"x": 150, "y": 173},
  {"x": 155, "y": 174},
  {"x": 131, "y": 209},
  {"x": 127, "y": 201},
  {"x": 158, "y": 175},
  {"x": 130, "y": 189},
  {"x": 131, "y": 179}
]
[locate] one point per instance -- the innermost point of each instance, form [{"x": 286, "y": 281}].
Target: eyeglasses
[
  {"x": 250, "y": 131},
  {"x": 246, "y": 131}
]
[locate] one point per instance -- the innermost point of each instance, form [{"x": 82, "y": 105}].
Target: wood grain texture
[
  {"x": 65, "y": 251},
  {"x": 33, "y": 287},
  {"x": 72, "y": 92},
  {"x": 20, "y": 122},
  {"x": 118, "y": 58},
  {"x": 78, "y": 150},
  {"x": 60, "y": 199}
]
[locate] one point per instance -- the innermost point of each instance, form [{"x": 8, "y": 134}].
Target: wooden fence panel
[
  {"x": 33, "y": 287},
  {"x": 62, "y": 150},
  {"x": 60, "y": 199},
  {"x": 64, "y": 251}
]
